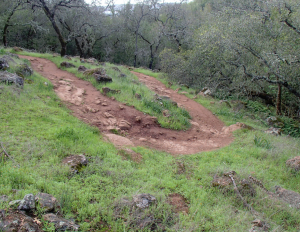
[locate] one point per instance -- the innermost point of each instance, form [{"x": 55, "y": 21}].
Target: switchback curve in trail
[{"x": 89, "y": 105}]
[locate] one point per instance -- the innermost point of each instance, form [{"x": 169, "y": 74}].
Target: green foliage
[{"x": 261, "y": 142}]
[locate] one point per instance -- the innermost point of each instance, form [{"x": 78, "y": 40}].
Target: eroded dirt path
[{"x": 89, "y": 105}]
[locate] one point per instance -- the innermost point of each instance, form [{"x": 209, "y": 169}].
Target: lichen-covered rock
[
  {"x": 15, "y": 221},
  {"x": 67, "y": 65},
  {"x": 60, "y": 224},
  {"x": 3, "y": 64},
  {"x": 24, "y": 70},
  {"x": 143, "y": 200},
  {"x": 28, "y": 203},
  {"x": 76, "y": 162},
  {"x": 294, "y": 163},
  {"x": 291, "y": 197},
  {"x": 11, "y": 78},
  {"x": 47, "y": 202},
  {"x": 14, "y": 204}
]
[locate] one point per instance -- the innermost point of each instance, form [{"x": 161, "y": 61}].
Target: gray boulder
[
  {"x": 11, "y": 78},
  {"x": 28, "y": 203},
  {"x": 60, "y": 224},
  {"x": 47, "y": 202},
  {"x": 14, "y": 204}
]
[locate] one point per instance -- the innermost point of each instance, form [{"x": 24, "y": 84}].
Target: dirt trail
[{"x": 89, "y": 105}]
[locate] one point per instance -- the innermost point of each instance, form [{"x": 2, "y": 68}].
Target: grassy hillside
[{"x": 38, "y": 131}]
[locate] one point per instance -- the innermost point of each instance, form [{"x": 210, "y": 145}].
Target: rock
[
  {"x": 98, "y": 102},
  {"x": 165, "y": 97},
  {"x": 104, "y": 104},
  {"x": 113, "y": 129},
  {"x": 183, "y": 92},
  {"x": 166, "y": 113},
  {"x": 55, "y": 55},
  {"x": 28, "y": 203},
  {"x": 273, "y": 131},
  {"x": 138, "y": 96},
  {"x": 291, "y": 197},
  {"x": 11, "y": 221},
  {"x": 106, "y": 90},
  {"x": 123, "y": 75},
  {"x": 24, "y": 70},
  {"x": 235, "y": 127},
  {"x": 81, "y": 68},
  {"x": 138, "y": 119},
  {"x": 102, "y": 78},
  {"x": 11, "y": 78},
  {"x": 108, "y": 115},
  {"x": 207, "y": 93},
  {"x": 124, "y": 125},
  {"x": 67, "y": 65},
  {"x": 116, "y": 69},
  {"x": 294, "y": 163},
  {"x": 60, "y": 224},
  {"x": 3, "y": 198},
  {"x": 274, "y": 121},
  {"x": 17, "y": 49},
  {"x": 47, "y": 202},
  {"x": 14, "y": 204},
  {"x": 119, "y": 140},
  {"x": 121, "y": 107},
  {"x": 143, "y": 200},
  {"x": 91, "y": 60},
  {"x": 76, "y": 162},
  {"x": 82, "y": 60},
  {"x": 3, "y": 64},
  {"x": 68, "y": 57},
  {"x": 154, "y": 119}
]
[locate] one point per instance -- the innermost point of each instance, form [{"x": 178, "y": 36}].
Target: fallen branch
[
  {"x": 7, "y": 155},
  {"x": 246, "y": 205}
]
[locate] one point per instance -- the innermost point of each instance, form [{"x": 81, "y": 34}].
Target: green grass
[{"x": 38, "y": 131}]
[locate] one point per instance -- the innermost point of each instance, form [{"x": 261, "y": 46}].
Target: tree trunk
[
  {"x": 136, "y": 48},
  {"x": 151, "y": 57},
  {"x": 278, "y": 101},
  {"x": 6, "y": 25},
  {"x": 51, "y": 16},
  {"x": 79, "y": 48}
]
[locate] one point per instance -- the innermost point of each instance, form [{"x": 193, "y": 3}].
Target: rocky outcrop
[
  {"x": 102, "y": 78},
  {"x": 11, "y": 78}
]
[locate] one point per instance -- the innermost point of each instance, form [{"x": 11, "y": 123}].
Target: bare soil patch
[{"x": 90, "y": 106}]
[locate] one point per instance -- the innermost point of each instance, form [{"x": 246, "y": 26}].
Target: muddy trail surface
[{"x": 89, "y": 105}]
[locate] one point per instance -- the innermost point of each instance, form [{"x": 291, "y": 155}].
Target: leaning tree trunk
[
  {"x": 51, "y": 16},
  {"x": 6, "y": 25}
]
